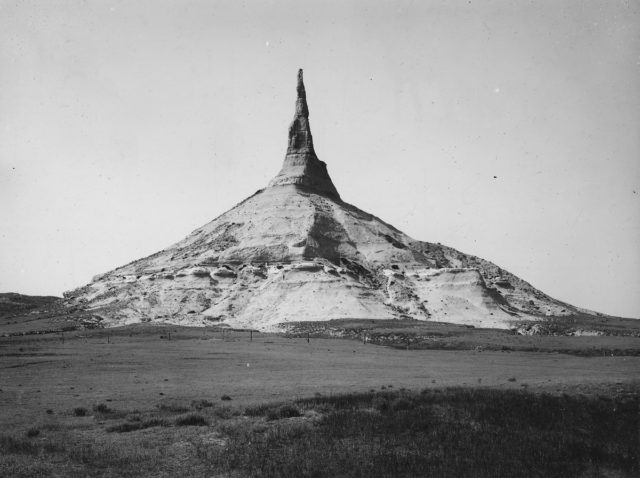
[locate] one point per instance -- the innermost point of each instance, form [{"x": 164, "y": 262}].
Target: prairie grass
[
  {"x": 172, "y": 407},
  {"x": 191, "y": 419},
  {"x": 127, "y": 459},
  {"x": 451, "y": 432},
  {"x": 138, "y": 425},
  {"x": 283, "y": 411},
  {"x": 200, "y": 404},
  {"x": 273, "y": 411},
  {"x": 380, "y": 433},
  {"x": 225, "y": 412},
  {"x": 27, "y": 446}
]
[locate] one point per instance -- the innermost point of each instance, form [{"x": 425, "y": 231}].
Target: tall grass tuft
[
  {"x": 138, "y": 425},
  {"x": 191, "y": 419}
]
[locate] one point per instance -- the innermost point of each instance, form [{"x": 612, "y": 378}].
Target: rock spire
[
  {"x": 300, "y": 139},
  {"x": 301, "y": 165}
]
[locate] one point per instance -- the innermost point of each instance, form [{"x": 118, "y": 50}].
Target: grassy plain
[{"x": 169, "y": 401}]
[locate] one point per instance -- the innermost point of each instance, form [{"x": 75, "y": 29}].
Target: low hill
[{"x": 12, "y": 303}]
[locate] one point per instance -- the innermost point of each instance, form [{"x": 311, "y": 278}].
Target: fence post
[
  {"x": 308, "y": 337},
  {"x": 251, "y": 336}
]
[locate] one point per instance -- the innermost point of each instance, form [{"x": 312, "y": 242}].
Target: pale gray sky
[{"x": 507, "y": 129}]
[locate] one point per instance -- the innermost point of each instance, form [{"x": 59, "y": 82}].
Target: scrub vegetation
[{"x": 435, "y": 432}]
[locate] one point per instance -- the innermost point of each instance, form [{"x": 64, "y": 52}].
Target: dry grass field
[{"x": 168, "y": 401}]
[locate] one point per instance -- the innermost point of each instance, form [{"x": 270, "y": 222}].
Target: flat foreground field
[
  {"x": 72, "y": 388},
  {"x": 142, "y": 369}
]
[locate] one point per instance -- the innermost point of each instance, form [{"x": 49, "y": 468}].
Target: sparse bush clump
[
  {"x": 225, "y": 412},
  {"x": 118, "y": 458},
  {"x": 200, "y": 404},
  {"x": 258, "y": 410},
  {"x": 173, "y": 407},
  {"x": 138, "y": 425},
  {"x": 191, "y": 419},
  {"x": 26, "y": 446},
  {"x": 19, "y": 446},
  {"x": 275, "y": 411},
  {"x": 401, "y": 403},
  {"x": 380, "y": 403},
  {"x": 283, "y": 411},
  {"x": 80, "y": 412},
  {"x": 124, "y": 427},
  {"x": 101, "y": 408},
  {"x": 225, "y": 398}
]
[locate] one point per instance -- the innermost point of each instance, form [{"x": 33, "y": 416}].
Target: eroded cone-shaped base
[
  {"x": 306, "y": 171},
  {"x": 284, "y": 255}
]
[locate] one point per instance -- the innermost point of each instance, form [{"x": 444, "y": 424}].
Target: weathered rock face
[{"x": 294, "y": 251}]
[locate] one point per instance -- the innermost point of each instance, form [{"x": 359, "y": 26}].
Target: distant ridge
[{"x": 13, "y": 303}]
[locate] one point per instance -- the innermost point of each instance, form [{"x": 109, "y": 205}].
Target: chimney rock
[{"x": 301, "y": 165}]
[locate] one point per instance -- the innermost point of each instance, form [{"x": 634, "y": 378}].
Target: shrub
[
  {"x": 25, "y": 446},
  {"x": 225, "y": 397},
  {"x": 9, "y": 444},
  {"x": 173, "y": 407},
  {"x": 33, "y": 432},
  {"x": 138, "y": 425},
  {"x": 283, "y": 411},
  {"x": 191, "y": 419},
  {"x": 80, "y": 412},
  {"x": 380, "y": 403},
  {"x": 101, "y": 408},
  {"x": 124, "y": 427},
  {"x": 200, "y": 404},
  {"x": 401, "y": 403},
  {"x": 225, "y": 412},
  {"x": 258, "y": 410}
]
